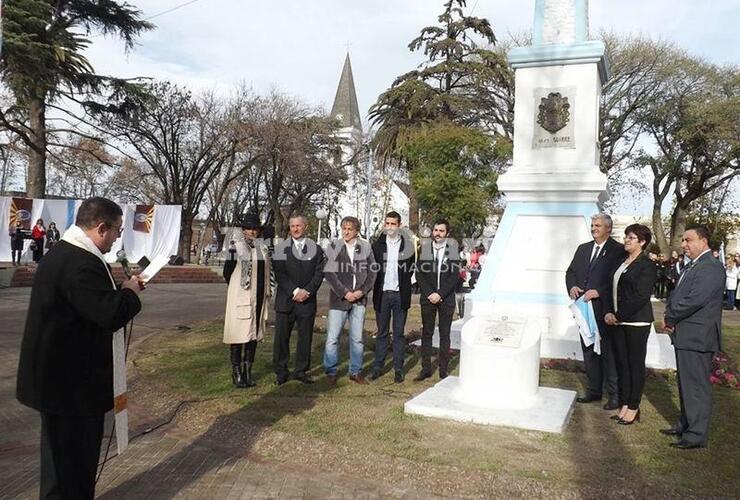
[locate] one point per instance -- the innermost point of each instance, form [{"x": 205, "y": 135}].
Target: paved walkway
[{"x": 212, "y": 461}]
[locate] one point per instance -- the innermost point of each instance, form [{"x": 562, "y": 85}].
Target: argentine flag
[{"x": 583, "y": 312}]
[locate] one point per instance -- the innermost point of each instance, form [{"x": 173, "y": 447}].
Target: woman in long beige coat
[{"x": 246, "y": 301}]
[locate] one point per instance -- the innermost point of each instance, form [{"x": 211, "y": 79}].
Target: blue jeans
[
  {"x": 334, "y": 324},
  {"x": 731, "y": 299},
  {"x": 390, "y": 306}
]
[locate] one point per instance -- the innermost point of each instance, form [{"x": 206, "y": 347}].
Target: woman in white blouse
[
  {"x": 629, "y": 317},
  {"x": 732, "y": 272}
]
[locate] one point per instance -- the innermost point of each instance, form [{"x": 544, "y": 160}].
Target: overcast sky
[{"x": 298, "y": 46}]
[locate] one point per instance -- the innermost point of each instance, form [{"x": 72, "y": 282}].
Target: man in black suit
[
  {"x": 66, "y": 362},
  {"x": 395, "y": 253},
  {"x": 589, "y": 274},
  {"x": 437, "y": 273},
  {"x": 693, "y": 317},
  {"x": 298, "y": 263}
]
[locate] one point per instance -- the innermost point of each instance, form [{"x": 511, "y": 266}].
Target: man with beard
[{"x": 438, "y": 273}]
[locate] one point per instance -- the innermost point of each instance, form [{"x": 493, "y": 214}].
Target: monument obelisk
[
  {"x": 518, "y": 310},
  {"x": 554, "y": 185}
]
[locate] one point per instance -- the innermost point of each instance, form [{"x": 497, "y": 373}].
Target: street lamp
[{"x": 320, "y": 214}]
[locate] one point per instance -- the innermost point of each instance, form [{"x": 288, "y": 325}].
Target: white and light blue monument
[{"x": 519, "y": 308}]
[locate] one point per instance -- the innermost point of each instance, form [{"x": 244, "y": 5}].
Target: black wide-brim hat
[{"x": 250, "y": 221}]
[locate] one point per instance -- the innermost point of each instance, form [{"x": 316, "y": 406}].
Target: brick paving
[{"x": 171, "y": 461}]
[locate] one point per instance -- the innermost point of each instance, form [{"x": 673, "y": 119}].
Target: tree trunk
[
  {"x": 413, "y": 210},
  {"x": 36, "y": 178},
  {"x": 678, "y": 224},
  {"x": 186, "y": 236},
  {"x": 658, "y": 229},
  {"x": 279, "y": 220}
]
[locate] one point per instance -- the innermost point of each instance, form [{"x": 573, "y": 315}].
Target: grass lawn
[{"x": 594, "y": 457}]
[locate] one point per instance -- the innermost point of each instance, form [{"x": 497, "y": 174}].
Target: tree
[
  {"x": 638, "y": 68},
  {"x": 82, "y": 168},
  {"x": 717, "y": 211},
  {"x": 43, "y": 63},
  {"x": 180, "y": 145},
  {"x": 694, "y": 122},
  {"x": 458, "y": 83},
  {"x": 454, "y": 175},
  {"x": 296, "y": 147}
]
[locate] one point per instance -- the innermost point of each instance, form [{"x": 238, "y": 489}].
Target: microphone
[{"x": 121, "y": 259}]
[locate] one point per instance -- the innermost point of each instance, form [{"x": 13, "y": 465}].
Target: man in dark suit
[
  {"x": 395, "y": 253},
  {"x": 437, "y": 273},
  {"x": 589, "y": 274},
  {"x": 298, "y": 263},
  {"x": 693, "y": 317},
  {"x": 66, "y": 362}
]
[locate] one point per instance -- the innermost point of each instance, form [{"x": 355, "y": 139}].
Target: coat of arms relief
[{"x": 554, "y": 112}]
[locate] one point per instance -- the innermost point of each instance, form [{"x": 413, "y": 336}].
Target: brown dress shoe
[{"x": 358, "y": 379}]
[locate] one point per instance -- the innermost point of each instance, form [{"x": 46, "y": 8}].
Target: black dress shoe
[
  {"x": 686, "y": 445},
  {"x": 281, "y": 380},
  {"x": 671, "y": 432},
  {"x": 588, "y": 398},
  {"x": 422, "y": 376},
  {"x": 303, "y": 378},
  {"x": 398, "y": 377},
  {"x": 375, "y": 375},
  {"x": 611, "y": 405}
]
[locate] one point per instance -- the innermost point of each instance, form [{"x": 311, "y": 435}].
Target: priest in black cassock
[{"x": 66, "y": 363}]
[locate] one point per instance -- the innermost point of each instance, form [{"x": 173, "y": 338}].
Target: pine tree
[
  {"x": 43, "y": 63},
  {"x": 458, "y": 83}
]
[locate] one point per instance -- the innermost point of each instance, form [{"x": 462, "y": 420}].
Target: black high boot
[
  {"x": 249, "y": 352},
  {"x": 247, "y": 375},
  {"x": 236, "y": 361}
]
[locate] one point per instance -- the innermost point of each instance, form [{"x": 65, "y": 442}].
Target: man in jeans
[
  {"x": 395, "y": 254},
  {"x": 350, "y": 272}
]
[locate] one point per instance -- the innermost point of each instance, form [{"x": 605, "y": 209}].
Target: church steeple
[{"x": 345, "y": 107}]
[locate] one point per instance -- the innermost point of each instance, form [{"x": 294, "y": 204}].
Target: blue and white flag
[{"x": 583, "y": 312}]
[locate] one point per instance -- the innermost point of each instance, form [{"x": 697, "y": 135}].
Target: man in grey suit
[{"x": 693, "y": 317}]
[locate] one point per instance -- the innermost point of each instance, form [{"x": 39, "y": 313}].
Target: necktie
[
  {"x": 299, "y": 248},
  {"x": 437, "y": 260},
  {"x": 596, "y": 253}
]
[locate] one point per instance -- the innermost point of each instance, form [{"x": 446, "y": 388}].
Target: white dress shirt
[
  {"x": 350, "y": 246},
  {"x": 390, "y": 280},
  {"x": 299, "y": 244},
  {"x": 440, "y": 255}
]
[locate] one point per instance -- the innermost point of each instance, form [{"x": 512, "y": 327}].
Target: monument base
[
  {"x": 660, "y": 353},
  {"x": 548, "y": 411}
]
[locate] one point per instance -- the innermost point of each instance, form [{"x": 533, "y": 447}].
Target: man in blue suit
[{"x": 693, "y": 317}]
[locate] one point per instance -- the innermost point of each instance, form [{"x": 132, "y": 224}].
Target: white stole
[{"x": 77, "y": 237}]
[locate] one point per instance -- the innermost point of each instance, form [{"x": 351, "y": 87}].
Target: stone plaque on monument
[
  {"x": 501, "y": 331},
  {"x": 553, "y": 122}
]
